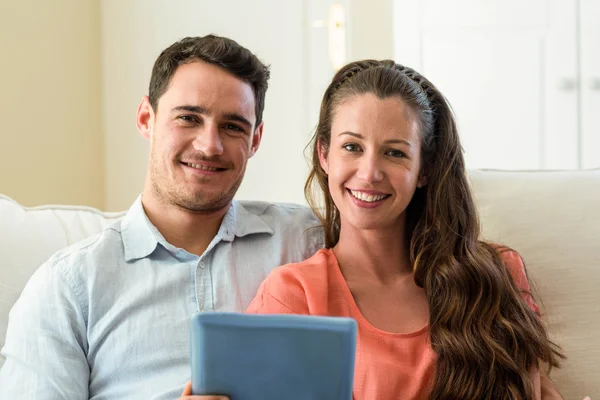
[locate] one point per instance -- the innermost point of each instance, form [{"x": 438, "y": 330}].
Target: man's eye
[
  {"x": 188, "y": 118},
  {"x": 352, "y": 147},
  {"x": 233, "y": 127}
]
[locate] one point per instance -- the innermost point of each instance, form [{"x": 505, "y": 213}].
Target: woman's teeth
[{"x": 369, "y": 198}]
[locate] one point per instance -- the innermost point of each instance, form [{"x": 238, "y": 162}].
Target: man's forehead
[{"x": 210, "y": 87}]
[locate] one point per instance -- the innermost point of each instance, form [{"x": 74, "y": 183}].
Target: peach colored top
[{"x": 388, "y": 365}]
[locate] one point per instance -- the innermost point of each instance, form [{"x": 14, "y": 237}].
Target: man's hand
[{"x": 187, "y": 394}]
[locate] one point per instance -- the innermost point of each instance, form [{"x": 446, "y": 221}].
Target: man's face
[{"x": 201, "y": 136}]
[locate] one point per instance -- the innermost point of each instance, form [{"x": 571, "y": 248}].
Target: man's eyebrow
[
  {"x": 390, "y": 141},
  {"x": 194, "y": 109}
]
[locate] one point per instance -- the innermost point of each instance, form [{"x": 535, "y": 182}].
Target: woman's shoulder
[
  {"x": 311, "y": 269},
  {"x": 516, "y": 267},
  {"x": 294, "y": 287},
  {"x": 514, "y": 263}
]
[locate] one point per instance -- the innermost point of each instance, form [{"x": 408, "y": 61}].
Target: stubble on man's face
[
  {"x": 170, "y": 192},
  {"x": 205, "y": 119}
]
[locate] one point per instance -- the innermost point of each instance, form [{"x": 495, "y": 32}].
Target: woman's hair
[{"x": 486, "y": 339}]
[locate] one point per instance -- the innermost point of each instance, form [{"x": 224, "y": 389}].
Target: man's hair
[{"x": 221, "y": 51}]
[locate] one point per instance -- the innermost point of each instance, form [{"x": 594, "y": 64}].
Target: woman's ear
[
  {"x": 422, "y": 180},
  {"x": 323, "y": 157}
]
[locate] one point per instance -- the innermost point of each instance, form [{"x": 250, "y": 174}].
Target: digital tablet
[{"x": 279, "y": 357}]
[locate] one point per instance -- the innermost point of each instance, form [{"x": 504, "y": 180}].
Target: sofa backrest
[
  {"x": 551, "y": 218},
  {"x": 29, "y": 236}
]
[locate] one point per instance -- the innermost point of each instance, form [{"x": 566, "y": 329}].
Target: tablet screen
[{"x": 261, "y": 357}]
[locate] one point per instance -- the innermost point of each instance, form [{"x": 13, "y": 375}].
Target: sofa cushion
[
  {"x": 29, "y": 236},
  {"x": 553, "y": 220}
]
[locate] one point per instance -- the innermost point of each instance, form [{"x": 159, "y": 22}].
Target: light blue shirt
[{"x": 109, "y": 317}]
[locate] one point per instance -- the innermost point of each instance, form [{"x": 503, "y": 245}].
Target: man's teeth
[
  {"x": 202, "y": 167},
  {"x": 367, "y": 197}
]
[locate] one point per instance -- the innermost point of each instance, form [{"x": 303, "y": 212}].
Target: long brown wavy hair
[{"x": 486, "y": 339}]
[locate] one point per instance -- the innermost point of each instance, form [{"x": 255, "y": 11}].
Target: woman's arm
[{"x": 544, "y": 388}]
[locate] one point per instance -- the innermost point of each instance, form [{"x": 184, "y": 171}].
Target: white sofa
[{"x": 551, "y": 218}]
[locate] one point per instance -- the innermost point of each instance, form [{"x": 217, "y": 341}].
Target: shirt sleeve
[
  {"x": 280, "y": 293},
  {"x": 514, "y": 264},
  {"x": 45, "y": 347}
]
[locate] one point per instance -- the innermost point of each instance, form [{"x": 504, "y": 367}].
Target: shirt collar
[
  {"x": 140, "y": 236},
  {"x": 240, "y": 222}
]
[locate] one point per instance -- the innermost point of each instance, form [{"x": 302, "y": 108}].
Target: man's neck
[{"x": 188, "y": 230}]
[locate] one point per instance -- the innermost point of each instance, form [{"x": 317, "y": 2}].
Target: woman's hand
[{"x": 187, "y": 394}]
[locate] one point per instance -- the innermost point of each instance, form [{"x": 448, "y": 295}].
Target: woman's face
[{"x": 373, "y": 162}]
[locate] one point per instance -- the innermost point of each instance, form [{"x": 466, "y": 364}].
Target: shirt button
[{"x": 201, "y": 264}]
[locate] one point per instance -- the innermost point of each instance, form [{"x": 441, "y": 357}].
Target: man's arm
[{"x": 46, "y": 343}]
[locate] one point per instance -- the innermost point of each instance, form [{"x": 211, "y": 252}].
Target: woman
[{"x": 441, "y": 314}]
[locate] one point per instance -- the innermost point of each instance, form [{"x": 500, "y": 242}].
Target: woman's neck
[{"x": 376, "y": 255}]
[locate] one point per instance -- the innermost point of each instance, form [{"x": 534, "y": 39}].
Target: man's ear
[
  {"x": 256, "y": 138},
  {"x": 323, "y": 159},
  {"x": 145, "y": 118}
]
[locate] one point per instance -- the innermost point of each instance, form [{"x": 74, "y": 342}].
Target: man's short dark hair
[{"x": 221, "y": 51}]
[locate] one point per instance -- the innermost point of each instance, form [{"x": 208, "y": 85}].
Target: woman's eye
[
  {"x": 396, "y": 153},
  {"x": 351, "y": 147}
]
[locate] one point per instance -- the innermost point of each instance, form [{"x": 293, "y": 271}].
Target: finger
[
  {"x": 187, "y": 394},
  {"x": 187, "y": 391}
]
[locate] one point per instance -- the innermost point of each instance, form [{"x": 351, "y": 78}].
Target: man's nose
[{"x": 208, "y": 141}]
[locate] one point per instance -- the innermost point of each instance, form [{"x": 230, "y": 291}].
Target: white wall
[
  {"x": 51, "y": 137},
  {"x": 372, "y": 30}
]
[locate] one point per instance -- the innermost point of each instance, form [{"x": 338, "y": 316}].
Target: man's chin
[{"x": 204, "y": 205}]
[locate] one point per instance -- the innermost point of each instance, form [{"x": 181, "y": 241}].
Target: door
[
  {"x": 589, "y": 30},
  {"x": 508, "y": 68}
]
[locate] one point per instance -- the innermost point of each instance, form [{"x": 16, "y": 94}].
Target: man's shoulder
[
  {"x": 99, "y": 246},
  {"x": 282, "y": 214},
  {"x": 294, "y": 225},
  {"x": 77, "y": 264}
]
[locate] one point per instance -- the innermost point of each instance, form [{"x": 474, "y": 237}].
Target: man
[{"x": 108, "y": 318}]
